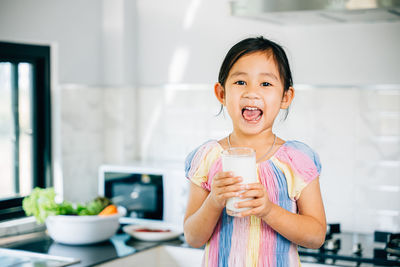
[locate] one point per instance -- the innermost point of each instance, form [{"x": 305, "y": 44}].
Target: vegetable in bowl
[
  {"x": 79, "y": 224},
  {"x": 41, "y": 204}
]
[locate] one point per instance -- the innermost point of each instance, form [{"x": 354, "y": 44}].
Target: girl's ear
[
  {"x": 219, "y": 93},
  {"x": 287, "y": 98}
]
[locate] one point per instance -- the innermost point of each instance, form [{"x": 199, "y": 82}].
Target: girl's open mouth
[{"x": 252, "y": 114}]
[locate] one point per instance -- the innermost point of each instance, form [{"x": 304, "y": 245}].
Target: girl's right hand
[{"x": 225, "y": 185}]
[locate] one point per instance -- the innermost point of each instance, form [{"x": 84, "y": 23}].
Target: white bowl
[{"x": 82, "y": 230}]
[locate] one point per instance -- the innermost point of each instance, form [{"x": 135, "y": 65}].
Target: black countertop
[
  {"x": 344, "y": 255},
  {"x": 120, "y": 245}
]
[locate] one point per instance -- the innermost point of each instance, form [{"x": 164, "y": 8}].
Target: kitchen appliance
[
  {"x": 151, "y": 192},
  {"x": 288, "y": 12},
  {"x": 141, "y": 193},
  {"x": 355, "y": 249}
]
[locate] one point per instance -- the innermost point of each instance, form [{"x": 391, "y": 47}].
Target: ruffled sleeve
[
  {"x": 202, "y": 163},
  {"x": 300, "y": 164}
]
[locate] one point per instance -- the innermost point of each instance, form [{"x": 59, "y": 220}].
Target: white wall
[
  {"x": 74, "y": 25},
  {"x": 340, "y": 120},
  {"x": 98, "y": 125},
  {"x": 356, "y": 132},
  {"x": 96, "y": 39},
  {"x": 94, "y": 82},
  {"x": 172, "y": 50},
  {"x": 320, "y": 54}
]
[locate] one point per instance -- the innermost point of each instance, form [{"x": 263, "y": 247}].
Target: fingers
[
  {"x": 234, "y": 188},
  {"x": 252, "y": 194},
  {"x": 224, "y": 186},
  {"x": 223, "y": 182},
  {"x": 254, "y": 197},
  {"x": 229, "y": 191},
  {"x": 225, "y": 179},
  {"x": 249, "y": 203},
  {"x": 256, "y": 207},
  {"x": 254, "y": 186},
  {"x": 250, "y": 212},
  {"x": 228, "y": 195}
]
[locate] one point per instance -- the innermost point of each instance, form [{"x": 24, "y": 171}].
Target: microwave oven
[{"x": 150, "y": 192}]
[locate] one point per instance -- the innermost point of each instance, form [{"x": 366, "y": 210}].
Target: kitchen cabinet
[
  {"x": 165, "y": 256},
  {"x": 169, "y": 256}
]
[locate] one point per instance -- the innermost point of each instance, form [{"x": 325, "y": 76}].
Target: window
[{"x": 25, "y": 130}]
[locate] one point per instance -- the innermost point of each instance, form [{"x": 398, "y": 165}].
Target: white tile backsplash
[
  {"x": 341, "y": 124},
  {"x": 356, "y": 132},
  {"x": 98, "y": 125},
  {"x": 181, "y": 119}
]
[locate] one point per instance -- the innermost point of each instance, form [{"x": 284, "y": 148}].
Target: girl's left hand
[{"x": 259, "y": 206}]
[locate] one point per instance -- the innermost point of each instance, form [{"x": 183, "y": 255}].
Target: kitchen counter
[
  {"x": 120, "y": 250},
  {"x": 119, "y": 246}
]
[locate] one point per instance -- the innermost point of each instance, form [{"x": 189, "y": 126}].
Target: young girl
[{"x": 286, "y": 208}]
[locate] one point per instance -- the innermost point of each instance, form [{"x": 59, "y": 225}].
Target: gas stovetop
[{"x": 355, "y": 249}]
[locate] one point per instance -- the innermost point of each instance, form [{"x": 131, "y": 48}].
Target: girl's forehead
[{"x": 263, "y": 61}]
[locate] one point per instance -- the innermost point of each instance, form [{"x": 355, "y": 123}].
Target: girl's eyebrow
[
  {"x": 269, "y": 74},
  {"x": 238, "y": 73}
]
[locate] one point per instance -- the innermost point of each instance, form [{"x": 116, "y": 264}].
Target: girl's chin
[{"x": 251, "y": 127}]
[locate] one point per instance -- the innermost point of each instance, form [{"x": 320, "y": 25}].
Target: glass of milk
[{"x": 242, "y": 162}]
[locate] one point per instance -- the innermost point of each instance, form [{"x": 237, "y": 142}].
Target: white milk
[{"x": 242, "y": 162}]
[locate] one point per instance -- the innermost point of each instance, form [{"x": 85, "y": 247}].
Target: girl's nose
[{"x": 251, "y": 95}]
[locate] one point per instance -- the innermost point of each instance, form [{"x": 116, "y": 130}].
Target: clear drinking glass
[{"x": 242, "y": 162}]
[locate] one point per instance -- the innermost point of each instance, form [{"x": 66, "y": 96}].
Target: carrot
[{"x": 109, "y": 210}]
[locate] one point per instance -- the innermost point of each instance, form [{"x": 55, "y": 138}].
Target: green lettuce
[{"x": 41, "y": 204}]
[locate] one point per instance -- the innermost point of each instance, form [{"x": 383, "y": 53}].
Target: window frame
[{"x": 39, "y": 57}]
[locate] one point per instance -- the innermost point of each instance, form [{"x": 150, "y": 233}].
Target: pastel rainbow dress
[{"x": 249, "y": 241}]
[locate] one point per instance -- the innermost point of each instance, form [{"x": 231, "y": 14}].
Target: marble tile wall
[
  {"x": 177, "y": 120},
  {"x": 97, "y": 126},
  {"x": 356, "y": 132}
]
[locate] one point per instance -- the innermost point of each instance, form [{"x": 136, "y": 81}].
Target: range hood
[{"x": 294, "y": 12}]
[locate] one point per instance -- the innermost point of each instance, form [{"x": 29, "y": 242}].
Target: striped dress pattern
[{"x": 249, "y": 241}]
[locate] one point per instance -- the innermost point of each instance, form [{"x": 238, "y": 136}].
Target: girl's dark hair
[{"x": 252, "y": 45}]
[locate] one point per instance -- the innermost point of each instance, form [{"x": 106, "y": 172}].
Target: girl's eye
[
  {"x": 266, "y": 84},
  {"x": 240, "y": 83}
]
